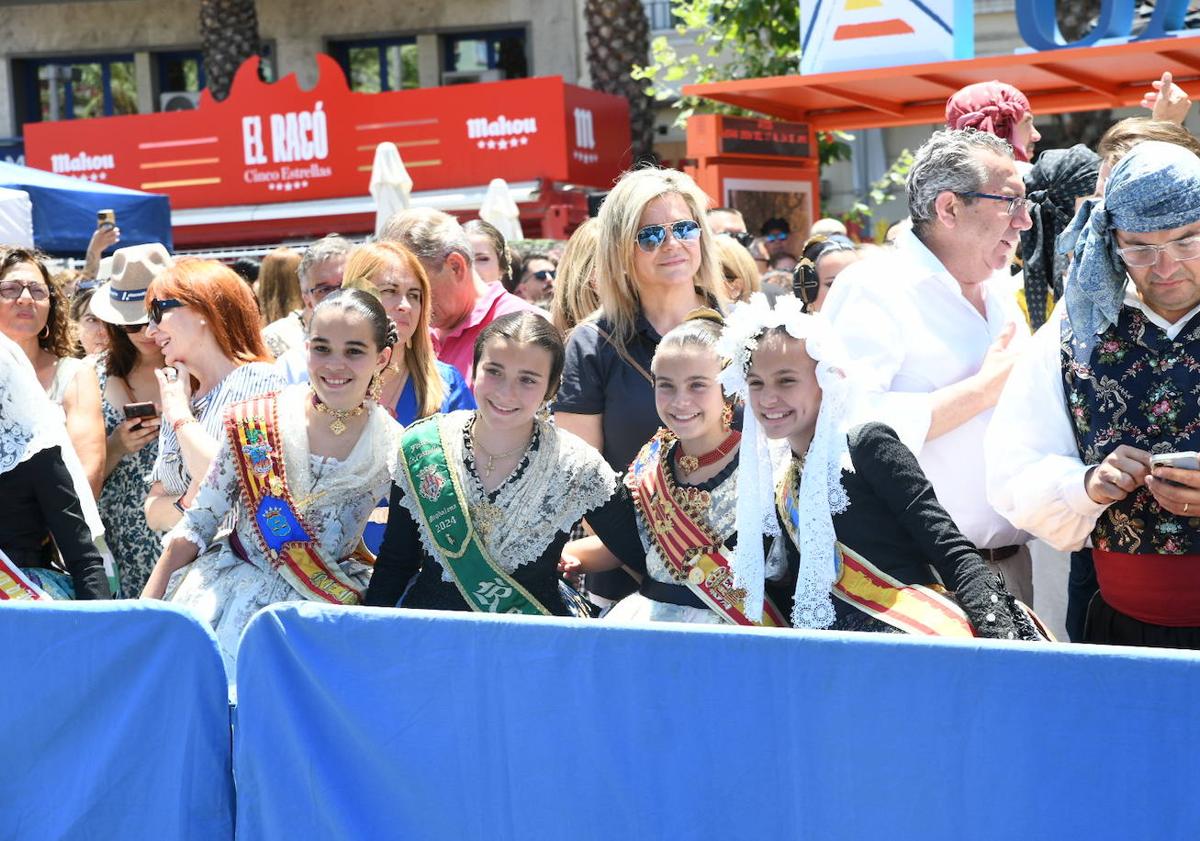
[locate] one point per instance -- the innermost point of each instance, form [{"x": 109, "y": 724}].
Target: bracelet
[
  {"x": 179, "y": 505},
  {"x": 181, "y": 423}
]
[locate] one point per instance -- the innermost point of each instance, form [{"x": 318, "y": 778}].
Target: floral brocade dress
[
  {"x": 134, "y": 544},
  {"x": 233, "y": 577}
]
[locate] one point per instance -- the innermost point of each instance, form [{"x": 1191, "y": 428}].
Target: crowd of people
[{"x": 665, "y": 419}]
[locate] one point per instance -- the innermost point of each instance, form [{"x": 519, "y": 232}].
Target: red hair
[{"x": 222, "y": 299}]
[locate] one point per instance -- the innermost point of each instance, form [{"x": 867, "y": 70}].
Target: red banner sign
[{"x": 278, "y": 143}]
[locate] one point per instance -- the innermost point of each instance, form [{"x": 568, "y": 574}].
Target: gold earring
[
  {"x": 375, "y": 389},
  {"x": 727, "y": 415}
]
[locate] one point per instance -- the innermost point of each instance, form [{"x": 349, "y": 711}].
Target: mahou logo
[
  {"x": 502, "y": 132},
  {"x": 585, "y": 136}
]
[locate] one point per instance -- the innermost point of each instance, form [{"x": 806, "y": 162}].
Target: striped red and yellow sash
[
  {"x": 690, "y": 551},
  {"x": 15, "y": 585},
  {"x": 912, "y": 608},
  {"x": 253, "y": 430}
]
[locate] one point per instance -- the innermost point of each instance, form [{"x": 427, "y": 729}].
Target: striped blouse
[{"x": 241, "y": 383}]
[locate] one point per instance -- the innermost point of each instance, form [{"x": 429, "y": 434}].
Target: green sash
[{"x": 443, "y": 509}]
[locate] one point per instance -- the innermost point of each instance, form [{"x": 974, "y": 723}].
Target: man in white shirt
[
  {"x": 320, "y": 273},
  {"x": 931, "y": 338},
  {"x": 1103, "y": 386}
]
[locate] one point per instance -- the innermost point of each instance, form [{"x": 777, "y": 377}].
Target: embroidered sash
[
  {"x": 691, "y": 553},
  {"x": 444, "y": 513},
  {"x": 912, "y": 608},
  {"x": 14, "y": 584},
  {"x": 253, "y": 429}
]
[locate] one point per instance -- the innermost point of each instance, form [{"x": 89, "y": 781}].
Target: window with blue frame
[
  {"x": 78, "y": 87},
  {"x": 378, "y": 64},
  {"x": 497, "y": 49}
]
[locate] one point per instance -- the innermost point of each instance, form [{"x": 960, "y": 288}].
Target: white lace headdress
[{"x": 822, "y": 494}]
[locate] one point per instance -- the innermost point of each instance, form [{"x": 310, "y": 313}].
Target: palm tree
[
  {"x": 618, "y": 37},
  {"x": 229, "y": 32}
]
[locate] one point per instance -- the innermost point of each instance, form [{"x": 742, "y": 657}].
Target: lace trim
[{"x": 563, "y": 480}]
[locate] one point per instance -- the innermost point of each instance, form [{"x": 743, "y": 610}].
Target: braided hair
[{"x": 362, "y": 302}]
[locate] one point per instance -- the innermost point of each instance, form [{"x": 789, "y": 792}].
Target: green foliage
[
  {"x": 879, "y": 193},
  {"x": 751, "y": 39},
  {"x": 729, "y": 39}
]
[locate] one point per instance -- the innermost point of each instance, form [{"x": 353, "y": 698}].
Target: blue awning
[{"x": 64, "y": 210}]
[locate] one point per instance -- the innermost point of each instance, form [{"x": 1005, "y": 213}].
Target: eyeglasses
[
  {"x": 133, "y": 328},
  {"x": 160, "y": 305},
  {"x": 13, "y": 289},
  {"x": 651, "y": 237},
  {"x": 323, "y": 291},
  {"x": 543, "y": 275},
  {"x": 1015, "y": 203},
  {"x": 778, "y": 237},
  {"x": 1180, "y": 250}
]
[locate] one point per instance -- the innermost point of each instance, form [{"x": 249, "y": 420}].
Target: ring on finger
[{"x": 171, "y": 374}]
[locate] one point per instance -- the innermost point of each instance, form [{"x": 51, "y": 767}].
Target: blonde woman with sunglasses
[{"x": 655, "y": 262}]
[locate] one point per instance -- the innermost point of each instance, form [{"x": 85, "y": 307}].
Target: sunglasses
[
  {"x": 12, "y": 290},
  {"x": 160, "y": 305},
  {"x": 651, "y": 237},
  {"x": 133, "y": 328},
  {"x": 777, "y": 237},
  {"x": 741, "y": 237},
  {"x": 544, "y": 274}
]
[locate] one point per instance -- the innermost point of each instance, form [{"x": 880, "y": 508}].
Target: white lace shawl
[
  {"x": 29, "y": 421},
  {"x": 335, "y": 506},
  {"x": 564, "y": 479},
  {"x": 822, "y": 494}
]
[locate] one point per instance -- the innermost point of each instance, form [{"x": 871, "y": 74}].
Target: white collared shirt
[
  {"x": 906, "y": 324},
  {"x": 1034, "y": 470}
]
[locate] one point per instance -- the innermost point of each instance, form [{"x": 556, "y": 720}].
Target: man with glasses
[
  {"x": 320, "y": 273},
  {"x": 1106, "y": 392},
  {"x": 728, "y": 220},
  {"x": 934, "y": 339},
  {"x": 461, "y": 303}
]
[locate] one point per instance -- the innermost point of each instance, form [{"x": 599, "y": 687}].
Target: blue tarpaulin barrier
[
  {"x": 116, "y": 724},
  {"x": 64, "y": 210},
  {"x": 372, "y": 723}
]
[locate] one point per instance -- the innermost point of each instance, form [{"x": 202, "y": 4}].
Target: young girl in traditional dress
[
  {"x": 672, "y": 521},
  {"x": 303, "y": 468},
  {"x": 873, "y": 548},
  {"x": 484, "y": 500}
]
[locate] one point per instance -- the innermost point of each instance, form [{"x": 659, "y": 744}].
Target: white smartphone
[{"x": 1181, "y": 461}]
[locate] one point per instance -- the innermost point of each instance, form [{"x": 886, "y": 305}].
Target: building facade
[{"x": 91, "y": 59}]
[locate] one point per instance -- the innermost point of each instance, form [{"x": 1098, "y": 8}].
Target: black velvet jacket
[{"x": 896, "y": 522}]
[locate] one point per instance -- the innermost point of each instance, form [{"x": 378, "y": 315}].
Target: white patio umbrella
[
  {"x": 499, "y": 210},
  {"x": 16, "y": 218},
  {"x": 390, "y": 184}
]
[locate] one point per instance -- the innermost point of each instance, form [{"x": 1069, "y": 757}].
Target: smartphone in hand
[
  {"x": 1180, "y": 461},
  {"x": 140, "y": 410}
]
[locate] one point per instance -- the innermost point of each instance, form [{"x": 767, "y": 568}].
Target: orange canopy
[{"x": 1056, "y": 81}]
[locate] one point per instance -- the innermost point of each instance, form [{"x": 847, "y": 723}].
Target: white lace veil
[
  {"x": 29, "y": 421},
  {"x": 822, "y": 494}
]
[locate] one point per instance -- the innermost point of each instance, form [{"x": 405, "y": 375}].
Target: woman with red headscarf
[{"x": 999, "y": 109}]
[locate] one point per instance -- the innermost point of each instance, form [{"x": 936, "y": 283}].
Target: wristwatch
[{"x": 179, "y": 505}]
